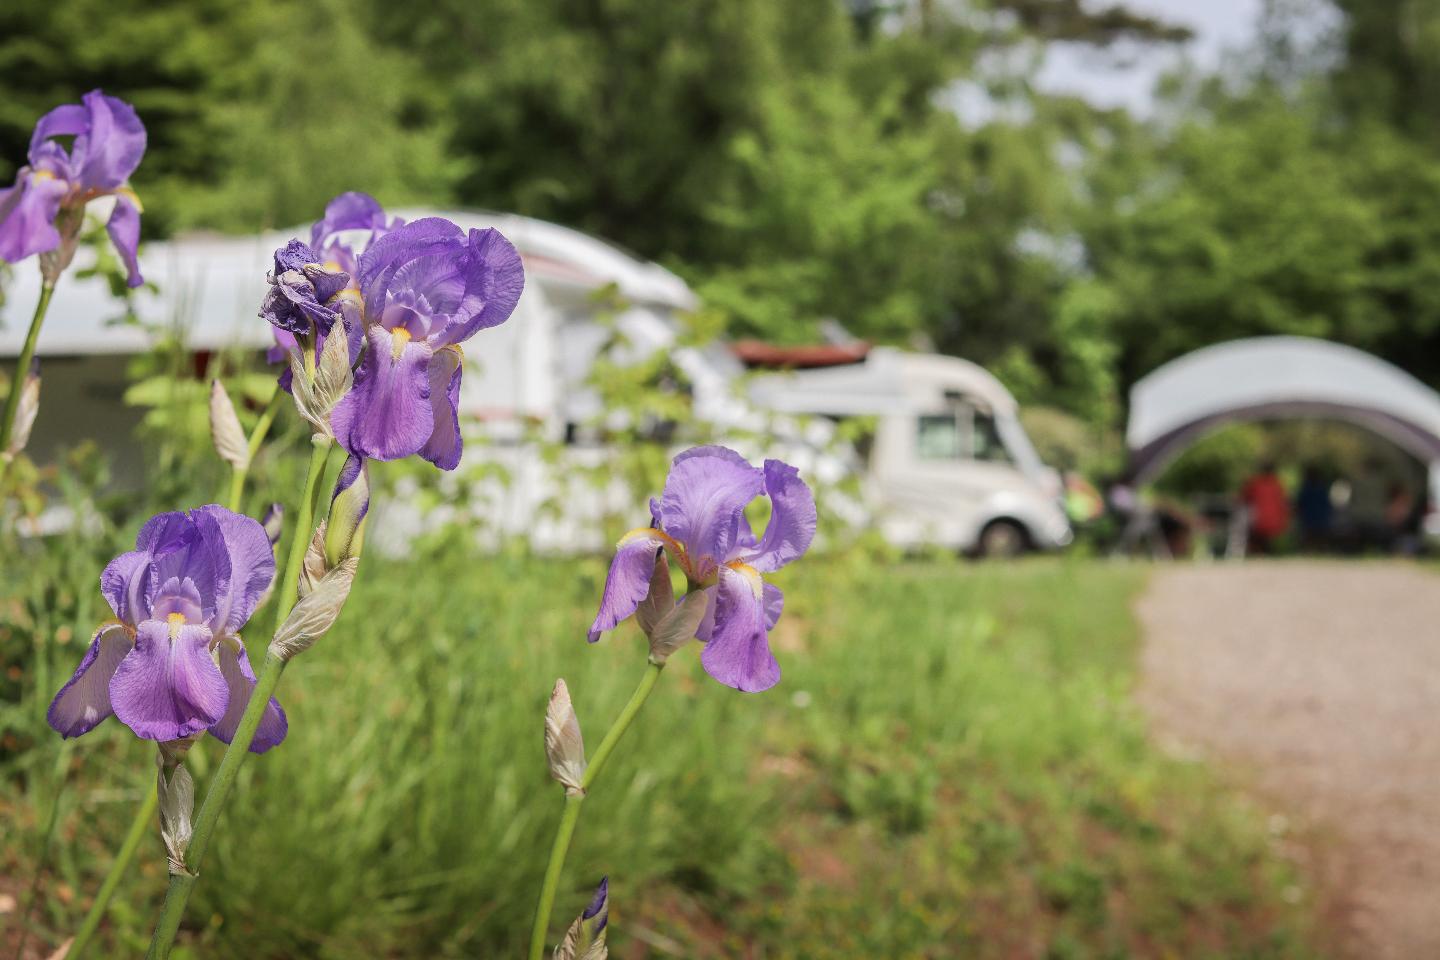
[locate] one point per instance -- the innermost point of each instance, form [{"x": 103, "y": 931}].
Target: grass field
[{"x": 951, "y": 767}]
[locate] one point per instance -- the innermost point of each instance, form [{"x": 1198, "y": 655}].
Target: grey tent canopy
[{"x": 1269, "y": 378}]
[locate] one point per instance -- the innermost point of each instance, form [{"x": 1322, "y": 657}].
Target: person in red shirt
[{"x": 1264, "y": 496}]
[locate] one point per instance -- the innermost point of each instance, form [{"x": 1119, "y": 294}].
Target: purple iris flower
[
  {"x": 700, "y": 520},
  {"x": 172, "y": 663},
  {"x": 427, "y": 286},
  {"x": 109, "y": 142}
]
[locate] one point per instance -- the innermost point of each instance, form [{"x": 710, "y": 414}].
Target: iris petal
[
  {"x": 445, "y": 444},
  {"x": 240, "y": 679},
  {"x": 387, "y": 415},
  {"x": 628, "y": 581},
  {"x": 165, "y": 688},
  {"x": 703, "y": 505},
  {"x": 792, "y": 519},
  {"x": 738, "y": 652},
  {"x": 84, "y": 701}
]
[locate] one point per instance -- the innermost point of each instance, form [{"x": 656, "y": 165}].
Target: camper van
[{"x": 948, "y": 464}]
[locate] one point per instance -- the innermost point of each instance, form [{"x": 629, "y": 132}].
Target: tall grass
[{"x": 950, "y": 767}]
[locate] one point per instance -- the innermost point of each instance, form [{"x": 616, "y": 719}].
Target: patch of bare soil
[{"x": 1320, "y": 684}]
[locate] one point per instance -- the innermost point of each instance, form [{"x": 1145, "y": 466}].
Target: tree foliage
[{"x": 815, "y": 158}]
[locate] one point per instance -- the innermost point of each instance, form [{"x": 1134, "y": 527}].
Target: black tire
[{"x": 1002, "y": 539}]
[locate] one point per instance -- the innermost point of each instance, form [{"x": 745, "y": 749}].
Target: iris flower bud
[
  {"x": 564, "y": 746},
  {"x": 177, "y": 799},
  {"x": 585, "y": 940},
  {"x": 349, "y": 504},
  {"x": 225, "y": 429},
  {"x": 26, "y": 412}
]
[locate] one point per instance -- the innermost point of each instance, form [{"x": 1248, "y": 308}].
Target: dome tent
[{"x": 1269, "y": 378}]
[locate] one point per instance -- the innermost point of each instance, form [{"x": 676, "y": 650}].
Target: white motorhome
[{"x": 949, "y": 464}]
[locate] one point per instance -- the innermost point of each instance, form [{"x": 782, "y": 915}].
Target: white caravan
[{"x": 949, "y": 464}]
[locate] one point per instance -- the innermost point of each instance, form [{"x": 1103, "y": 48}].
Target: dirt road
[{"x": 1319, "y": 684}]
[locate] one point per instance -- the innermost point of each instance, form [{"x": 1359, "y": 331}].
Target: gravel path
[{"x": 1320, "y": 683}]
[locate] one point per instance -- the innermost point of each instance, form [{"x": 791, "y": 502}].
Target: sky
[{"x": 1125, "y": 77}]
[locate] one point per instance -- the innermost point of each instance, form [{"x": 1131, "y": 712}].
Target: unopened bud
[
  {"x": 316, "y": 612},
  {"x": 345, "y": 527},
  {"x": 26, "y": 412},
  {"x": 225, "y": 429},
  {"x": 177, "y": 800},
  {"x": 585, "y": 940},
  {"x": 564, "y": 747}
]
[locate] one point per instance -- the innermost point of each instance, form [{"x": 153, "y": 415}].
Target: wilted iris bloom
[
  {"x": 427, "y": 286},
  {"x": 171, "y": 664},
  {"x": 700, "y": 521},
  {"x": 44, "y": 210},
  {"x": 352, "y": 222}
]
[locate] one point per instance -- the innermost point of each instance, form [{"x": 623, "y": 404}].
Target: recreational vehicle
[{"x": 948, "y": 463}]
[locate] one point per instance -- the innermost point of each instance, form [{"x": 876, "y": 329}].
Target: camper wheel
[{"x": 1002, "y": 538}]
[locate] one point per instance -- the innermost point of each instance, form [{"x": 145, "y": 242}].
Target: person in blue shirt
[{"x": 1314, "y": 509}]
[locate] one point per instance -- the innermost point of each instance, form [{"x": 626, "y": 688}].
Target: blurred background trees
[{"x": 892, "y": 165}]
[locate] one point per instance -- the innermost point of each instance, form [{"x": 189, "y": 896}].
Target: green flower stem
[
  {"x": 568, "y": 820},
  {"x": 138, "y": 828},
  {"x": 182, "y": 884},
  {"x": 22, "y": 367},
  {"x": 257, "y": 437}
]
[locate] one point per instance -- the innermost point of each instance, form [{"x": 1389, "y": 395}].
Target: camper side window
[
  {"x": 988, "y": 445},
  {"x": 965, "y": 434},
  {"x": 938, "y": 438}
]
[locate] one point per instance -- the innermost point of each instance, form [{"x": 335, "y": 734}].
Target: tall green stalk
[
  {"x": 181, "y": 884},
  {"x": 22, "y": 366},
  {"x": 565, "y": 832}
]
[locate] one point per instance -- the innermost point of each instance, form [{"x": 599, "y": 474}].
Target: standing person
[
  {"x": 1314, "y": 509},
  {"x": 1269, "y": 507}
]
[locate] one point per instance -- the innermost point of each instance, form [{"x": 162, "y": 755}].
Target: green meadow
[{"x": 952, "y": 766}]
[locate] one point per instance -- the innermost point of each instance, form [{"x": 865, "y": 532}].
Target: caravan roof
[
  {"x": 888, "y": 381},
  {"x": 212, "y": 285}
]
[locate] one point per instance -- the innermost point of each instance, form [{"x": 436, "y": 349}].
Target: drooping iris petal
[
  {"x": 239, "y": 551},
  {"x": 792, "y": 518},
  {"x": 445, "y": 444},
  {"x": 110, "y": 148},
  {"x": 738, "y": 651},
  {"x": 628, "y": 581},
  {"x": 387, "y": 414},
  {"x": 27, "y": 215},
  {"x": 167, "y": 688},
  {"x": 84, "y": 701},
  {"x": 703, "y": 504},
  {"x": 124, "y": 230},
  {"x": 240, "y": 680}
]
